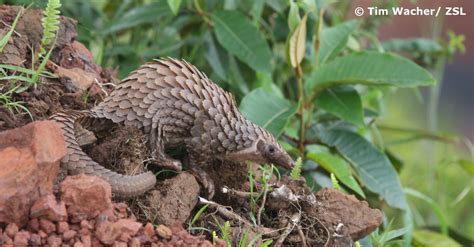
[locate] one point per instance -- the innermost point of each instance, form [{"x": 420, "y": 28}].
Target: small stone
[
  {"x": 47, "y": 226},
  {"x": 5, "y": 239},
  {"x": 86, "y": 224},
  {"x": 49, "y": 208},
  {"x": 78, "y": 244},
  {"x": 33, "y": 225},
  {"x": 54, "y": 241},
  {"x": 11, "y": 230},
  {"x": 70, "y": 234},
  {"x": 108, "y": 232},
  {"x": 35, "y": 239},
  {"x": 164, "y": 232},
  {"x": 119, "y": 244},
  {"x": 21, "y": 238},
  {"x": 134, "y": 242},
  {"x": 62, "y": 227},
  {"x": 149, "y": 230},
  {"x": 86, "y": 240},
  {"x": 96, "y": 243},
  {"x": 42, "y": 234}
]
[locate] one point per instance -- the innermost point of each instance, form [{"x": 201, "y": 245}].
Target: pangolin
[{"x": 175, "y": 104}]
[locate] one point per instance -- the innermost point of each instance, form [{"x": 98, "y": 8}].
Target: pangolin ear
[{"x": 260, "y": 145}]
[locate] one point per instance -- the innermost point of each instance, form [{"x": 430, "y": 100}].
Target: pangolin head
[
  {"x": 272, "y": 152},
  {"x": 263, "y": 149}
]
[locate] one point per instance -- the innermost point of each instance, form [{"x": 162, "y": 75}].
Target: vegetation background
[{"x": 361, "y": 112}]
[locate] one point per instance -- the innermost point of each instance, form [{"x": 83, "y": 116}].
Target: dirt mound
[{"x": 253, "y": 210}]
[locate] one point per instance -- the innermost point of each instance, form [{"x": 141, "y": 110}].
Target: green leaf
[
  {"x": 337, "y": 166},
  {"x": 467, "y": 165},
  {"x": 293, "y": 16},
  {"x": 174, "y": 5},
  {"x": 297, "y": 42},
  {"x": 237, "y": 34},
  {"x": 334, "y": 39},
  {"x": 137, "y": 16},
  {"x": 369, "y": 68},
  {"x": 4, "y": 40},
  {"x": 425, "y": 238},
  {"x": 343, "y": 102},
  {"x": 267, "y": 110},
  {"x": 373, "y": 166},
  {"x": 214, "y": 58}
]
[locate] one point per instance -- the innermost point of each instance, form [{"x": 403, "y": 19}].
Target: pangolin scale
[{"x": 176, "y": 105}]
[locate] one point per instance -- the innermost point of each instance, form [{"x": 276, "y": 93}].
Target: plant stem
[{"x": 299, "y": 73}]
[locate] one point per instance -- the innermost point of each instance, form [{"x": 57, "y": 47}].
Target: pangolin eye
[{"x": 271, "y": 149}]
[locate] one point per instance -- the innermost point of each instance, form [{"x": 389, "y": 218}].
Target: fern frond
[
  {"x": 50, "y": 23},
  {"x": 296, "y": 171}
]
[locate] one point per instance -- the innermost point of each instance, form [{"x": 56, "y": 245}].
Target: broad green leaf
[
  {"x": 468, "y": 166},
  {"x": 293, "y": 16},
  {"x": 426, "y": 238},
  {"x": 174, "y": 5},
  {"x": 137, "y": 16},
  {"x": 369, "y": 68},
  {"x": 267, "y": 110},
  {"x": 334, "y": 39},
  {"x": 237, "y": 34},
  {"x": 343, "y": 102},
  {"x": 338, "y": 166},
  {"x": 297, "y": 42},
  {"x": 213, "y": 57},
  {"x": 373, "y": 166}
]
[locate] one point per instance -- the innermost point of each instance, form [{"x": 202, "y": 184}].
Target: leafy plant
[
  {"x": 50, "y": 23},
  {"x": 296, "y": 171}
]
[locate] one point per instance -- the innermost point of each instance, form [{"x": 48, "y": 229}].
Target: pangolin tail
[{"x": 76, "y": 161}]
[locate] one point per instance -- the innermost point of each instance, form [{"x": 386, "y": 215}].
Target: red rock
[
  {"x": 119, "y": 244},
  {"x": 78, "y": 244},
  {"x": 85, "y": 196},
  {"x": 163, "y": 231},
  {"x": 96, "y": 243},
  {"x": 86, "y": 224},
  {"x": 29, "y": 163},
  {"x": 6, "y": 240},
  {"x": 108, "y": 232},
  {"x": 70, "y": 234},
  {"x": 35, "y": 239},
  {"x": 86, "y": 240},
  {"x": 42, "y": 234},
  {"x": 11, "y": 230},
  {"x": 134, "y": 242},
  {"x": 49, "y": 208},
  {"x": 33, "y": 225},
  {"x": 21, "y": 238},
  {"x": 47, "y": 226},
  {"x": 62, "y": 227},
  {"x": 149, "y": 230},
  {"x": 54, "y": 241}
]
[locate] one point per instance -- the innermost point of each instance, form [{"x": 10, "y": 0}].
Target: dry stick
[
  {"x": 295, "y": 220},
  {"x": 238, "y": 193},
  {"x": 231, "y": 215}
]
